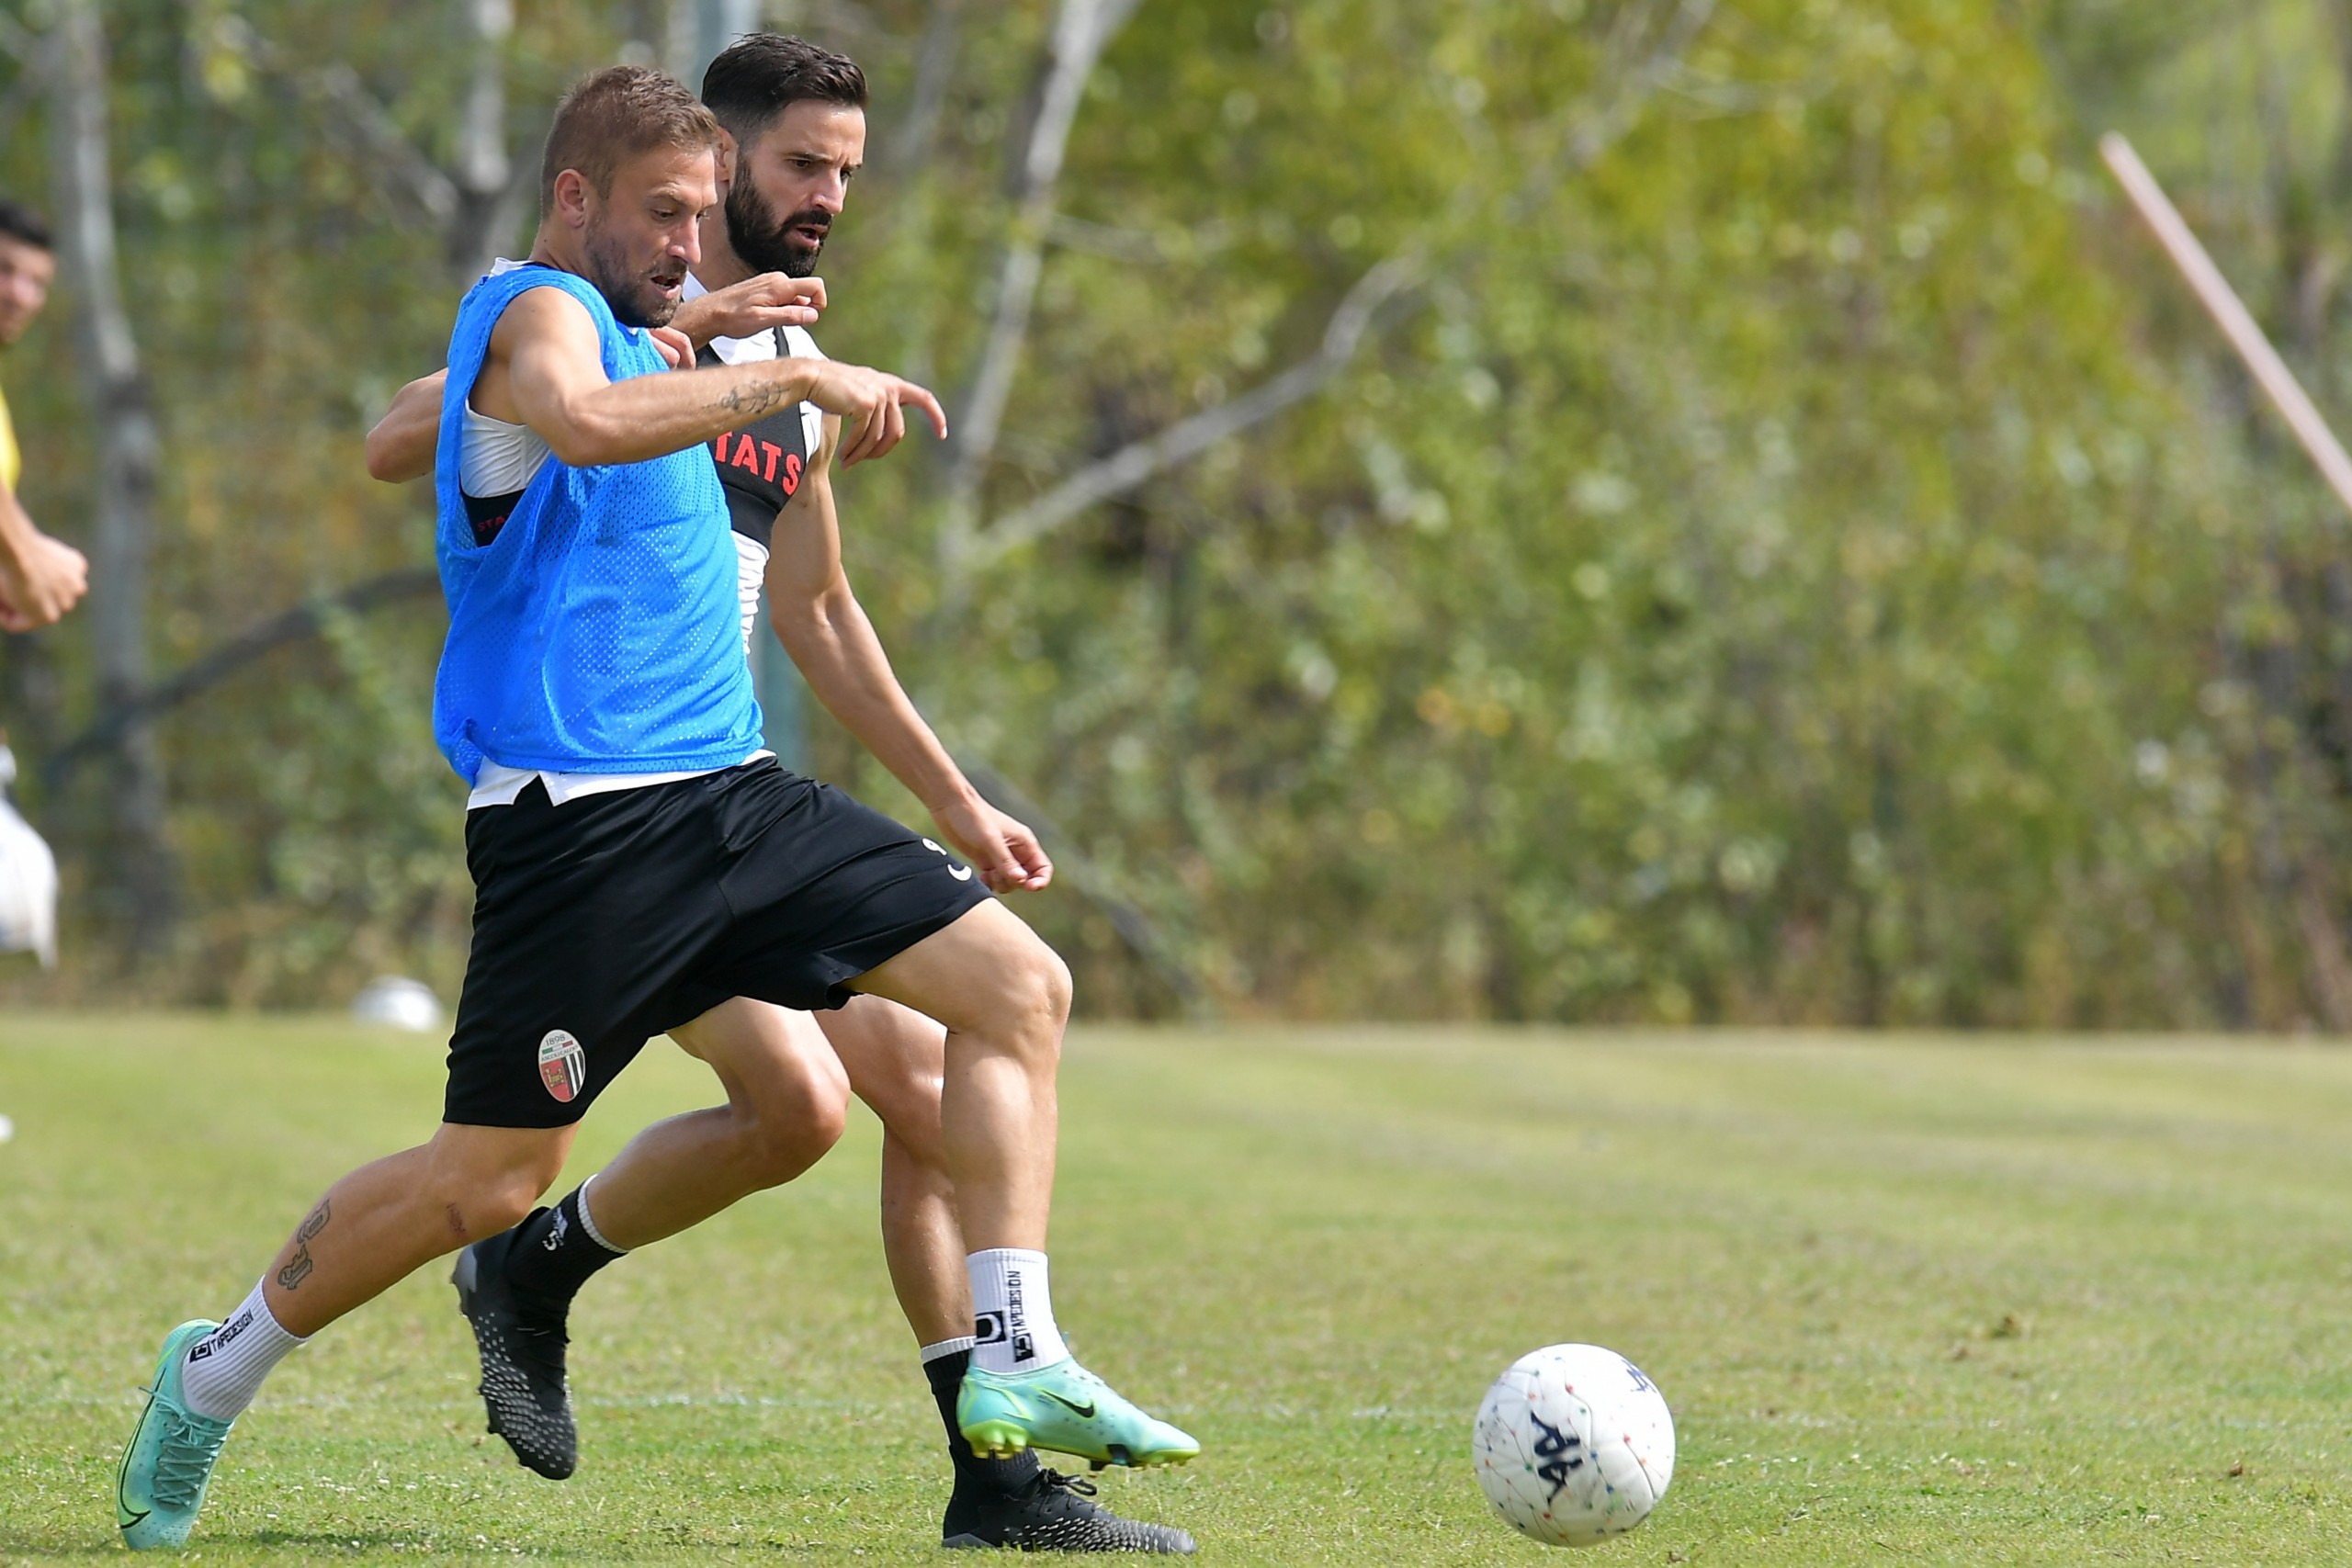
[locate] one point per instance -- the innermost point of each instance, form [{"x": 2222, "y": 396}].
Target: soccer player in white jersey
[
  {"x": 795, "y": 117},
  {"x": 632, "y": 879}
]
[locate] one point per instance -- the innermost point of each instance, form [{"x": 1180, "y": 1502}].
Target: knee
[
  {"x": 777, "y": 1151},
  {"x": 1042, "y": 994},
  {"x": 792, "y": 1132},
  {"x": 1059, "y": 990},
  {"x": 498, "y": 1207},
  {"x": 1032, "y": 1005},
  {"x": 480, "y": 1200}
]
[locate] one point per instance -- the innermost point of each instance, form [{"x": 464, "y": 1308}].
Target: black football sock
[
  {"x": 974, "y": 1476},
  {"x": 554, "y": 1252}
]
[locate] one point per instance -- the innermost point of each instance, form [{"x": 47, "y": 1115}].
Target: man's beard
[
  {"x": 763, "y": 243},
  {"x": 633, "y": 295}
]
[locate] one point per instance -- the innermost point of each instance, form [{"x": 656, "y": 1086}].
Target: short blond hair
[{"x": 616, "y": 115}]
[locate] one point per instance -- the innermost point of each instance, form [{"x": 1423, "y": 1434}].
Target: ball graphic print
[{"x": 1573, "y": 1445}]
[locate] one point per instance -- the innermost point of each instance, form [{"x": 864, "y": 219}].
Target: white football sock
[
  {"x": 224, "y": 1370},
  {"x": 944, "y": 1350},
  {"x": 1013, "y": 1311},
  {"x": 588, "y": 1221}
]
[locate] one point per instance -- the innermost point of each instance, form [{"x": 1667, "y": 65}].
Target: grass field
[{"x": 1913, "y": 1300}]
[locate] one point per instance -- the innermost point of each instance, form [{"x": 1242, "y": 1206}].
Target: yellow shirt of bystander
[{"x": 12, "y": 462}]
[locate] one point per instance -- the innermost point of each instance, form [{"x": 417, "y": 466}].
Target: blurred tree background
[{"x": 1656, "y": 510}]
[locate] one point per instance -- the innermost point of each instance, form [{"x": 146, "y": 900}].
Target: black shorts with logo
[{"x": 603, "y": 922}]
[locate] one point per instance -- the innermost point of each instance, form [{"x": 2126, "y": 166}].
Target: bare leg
[
  {"x": 1004, "y": 997},
  {"x": 923, "y": 1245},
  {"x": 386, "y": 1220},
  {"x": 786, "y": 1101},
  {"x": 895, "y": 1059}
]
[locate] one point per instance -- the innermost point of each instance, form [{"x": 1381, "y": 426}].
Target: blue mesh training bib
[{"x": 598, "y": 631}]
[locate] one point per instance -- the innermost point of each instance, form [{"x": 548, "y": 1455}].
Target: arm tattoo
[
  {"x": 298, "y": 1269},
  {"x": 750, "y": 399}
]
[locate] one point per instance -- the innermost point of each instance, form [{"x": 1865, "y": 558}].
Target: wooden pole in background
[
  {"x": 2237, "y": 323},
  {"x": 2322, "y": 936}
]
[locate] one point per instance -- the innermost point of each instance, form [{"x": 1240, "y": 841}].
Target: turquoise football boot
[
  {"x": 1068, "y": 1409},
  {"x": 161, "y": 1485}
]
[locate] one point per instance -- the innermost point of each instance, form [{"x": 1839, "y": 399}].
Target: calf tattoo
[{"x": 298, "y": 1268}]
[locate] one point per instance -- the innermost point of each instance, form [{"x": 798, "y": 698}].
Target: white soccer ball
[
  {"x": 397, "y": 1002},
  {"x": 1573, "y": 1445}
]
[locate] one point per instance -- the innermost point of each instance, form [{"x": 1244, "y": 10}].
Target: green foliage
[{"x": 1791, "y": 556}]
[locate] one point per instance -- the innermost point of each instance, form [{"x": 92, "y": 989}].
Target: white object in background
[
  {"x": 27, "y": 879},
  {"x": 7, "y": 1129},
  {"x": 397, "y": 1002}
]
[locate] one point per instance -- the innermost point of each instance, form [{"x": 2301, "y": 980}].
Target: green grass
[{"x": 1913, "y": 1300}]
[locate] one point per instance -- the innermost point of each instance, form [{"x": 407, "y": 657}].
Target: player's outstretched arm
[
  {"x": 825, "y": 629},
  {"x": 546, "y": 370},
  {"x": 400, "y": 447},
  {"x": 404, "y": 442}
]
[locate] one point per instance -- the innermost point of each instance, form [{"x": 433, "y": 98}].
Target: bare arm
[
  {"x": 825, "y": 629},
  {"x": 404, "y": 442},
  {"x": 40, "y": 577},
  {"x": 400, "y": 447},
  {"x": 545, "y": 370}
]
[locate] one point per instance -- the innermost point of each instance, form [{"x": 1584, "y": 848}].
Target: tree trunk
[
  {"x": 1082, "y": 30},
  {"x": 716, "y": 24},
  {"x": 910, "y": 147},
  {"x": 137, "y": 891},
  {"x": 484, "y": 171}
]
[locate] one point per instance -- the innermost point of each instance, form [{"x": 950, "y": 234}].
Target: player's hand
[
  {"x": 871, "y": 404},
  {"x": 1005, "y": 853},
  {"x": 752, "y": 307},
  {"x": 37, "y": 588},
  {"x": 672, "y": 345}
]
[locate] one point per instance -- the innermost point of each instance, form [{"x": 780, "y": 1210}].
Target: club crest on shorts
[{"x": 563, "y": 1065}]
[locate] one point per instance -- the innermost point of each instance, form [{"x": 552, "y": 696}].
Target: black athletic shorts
[{"x": 603, "y": 922}]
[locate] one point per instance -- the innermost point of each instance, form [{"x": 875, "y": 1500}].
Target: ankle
[
  {"x": 1013, "y": 1311},
  {"x": 224, "y": 1370},
  {"x": 555, "y": 1252}
]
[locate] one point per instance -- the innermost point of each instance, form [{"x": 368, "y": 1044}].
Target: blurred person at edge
[{"x": 40, "y": 577}]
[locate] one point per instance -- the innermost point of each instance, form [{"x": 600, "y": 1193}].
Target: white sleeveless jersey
[{"x": 751, "y": 554}]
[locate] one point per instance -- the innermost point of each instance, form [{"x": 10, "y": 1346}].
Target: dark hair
[
  {"x": 22, "y": 223},
  {"x": 760, "y": 75},
  {"x": 616, "y": 115}
]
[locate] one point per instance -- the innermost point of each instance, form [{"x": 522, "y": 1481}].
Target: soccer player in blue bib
[
  {"x": 638, "y": 859},
  {"x": 795, "y": 117}
]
